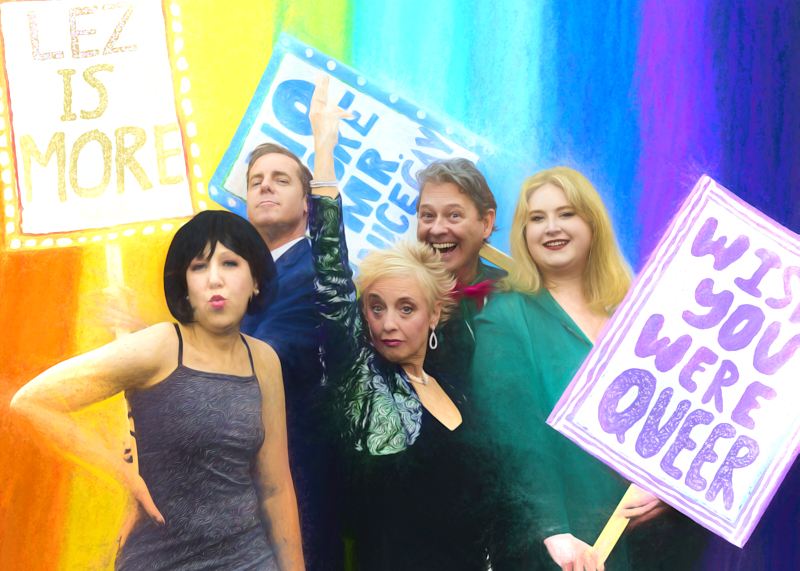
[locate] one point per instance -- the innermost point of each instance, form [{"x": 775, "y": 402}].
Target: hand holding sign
[{"x": 572, "y": 554}]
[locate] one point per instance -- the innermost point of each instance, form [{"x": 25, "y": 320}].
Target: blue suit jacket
[{"x": 289, "y": 325}]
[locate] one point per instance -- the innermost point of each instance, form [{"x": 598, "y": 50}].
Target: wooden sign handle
[
  {"x": 614, "y": 528},
  {"x": 497, "y": 257},
  {"x": 115, "y": 281}
]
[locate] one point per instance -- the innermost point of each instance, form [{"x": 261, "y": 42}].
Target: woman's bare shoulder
[{"x": 265, "y": 359}]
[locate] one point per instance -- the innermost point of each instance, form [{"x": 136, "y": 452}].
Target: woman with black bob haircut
[
  {"x": 207, "y": 229},
  {"x": 213, "y": 488}
]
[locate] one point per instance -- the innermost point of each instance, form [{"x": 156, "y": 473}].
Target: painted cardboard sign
[
  {"x": 692, "y": 390},
  {"x": 379, "y": 151},
  {"x": 96, "y": 136}
]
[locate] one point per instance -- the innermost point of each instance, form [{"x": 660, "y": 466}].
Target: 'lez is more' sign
[
  {"x": 692, "y": 392},
  {"x": 96, "y": 134}
]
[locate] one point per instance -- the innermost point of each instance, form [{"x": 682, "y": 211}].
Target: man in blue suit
[{"x": 277, "y": 187}]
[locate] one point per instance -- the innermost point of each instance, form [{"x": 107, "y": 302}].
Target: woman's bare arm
[
  {"x": 274, "y": 480},
  {"x": 49, "y": 400}
]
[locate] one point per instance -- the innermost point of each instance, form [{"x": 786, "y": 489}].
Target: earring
[{"x": 433, "y": 342}]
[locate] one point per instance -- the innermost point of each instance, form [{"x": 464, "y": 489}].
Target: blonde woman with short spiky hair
[
  {"x": 415, "y": 259},
  {"x": 552, "y": 497},
  {"x": 400, "y": 427}
]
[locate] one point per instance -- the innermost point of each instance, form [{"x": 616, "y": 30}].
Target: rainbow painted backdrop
[{"x": 643, "y": 97}]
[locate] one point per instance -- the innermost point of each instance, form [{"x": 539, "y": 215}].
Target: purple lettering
[
  {"x": 707, "y": 455},
  {"x": 74, "y": 32},
  {"x": 614, "y": 422},
  {"x": 684, "y": 441},
  {"x": 726, "y": 376},
  {"x": 748, "y": 402},
  {"x": 762, "y": 361},
  {"x": 731, "y": 337},
  {"x": 719, "y": 303},
  {"x": 652, "y": 438},
  {"x": 723, "y": 480},
  {"x": 33, "y": 28},
  {"x": 774, "y": 303},
  {"x": 648, "y": 344},
  {"x": 769, "y": 261},
  {"x": 703, "y": 356},
  {"x": 723, "y": 257}
]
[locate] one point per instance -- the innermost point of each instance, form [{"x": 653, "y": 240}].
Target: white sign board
[
  {"x": 96, "y": 135},
  {"x": 692, "y": 392},
  {"x": 379, "y": 151}
]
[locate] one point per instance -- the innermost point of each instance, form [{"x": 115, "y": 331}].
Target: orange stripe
[{"x": 37, "y": 312}]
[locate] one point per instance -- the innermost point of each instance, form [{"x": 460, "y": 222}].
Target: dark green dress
[{"x": 528, "y": 349}]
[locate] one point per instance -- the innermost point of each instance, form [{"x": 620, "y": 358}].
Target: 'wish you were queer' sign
[
  {"x": 692, "y": 392},
  {"x": 379, "y": 153}
]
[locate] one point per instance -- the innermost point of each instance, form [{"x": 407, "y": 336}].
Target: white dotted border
[{"x": 9, "y": 196}]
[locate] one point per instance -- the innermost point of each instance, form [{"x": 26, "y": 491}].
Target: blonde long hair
[{"x": 607, "y": 276}]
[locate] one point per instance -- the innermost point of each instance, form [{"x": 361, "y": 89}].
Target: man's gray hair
[{"x": 465, "y": 176}]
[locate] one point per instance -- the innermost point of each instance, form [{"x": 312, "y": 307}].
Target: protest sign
[
  {"x": 379, "y": 152},
  {"x": 692, "y": 392},
  {"x": 95, "y": 140}
]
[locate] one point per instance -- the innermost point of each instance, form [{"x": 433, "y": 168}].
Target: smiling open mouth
[
  {"x": 556, "y": 243},
  {"x": 444, "y": 247}
]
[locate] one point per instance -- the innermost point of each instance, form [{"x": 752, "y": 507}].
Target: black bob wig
[{"x": 207, "y": 229}]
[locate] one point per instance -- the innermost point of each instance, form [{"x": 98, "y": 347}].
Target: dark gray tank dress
[{"x": 197, "y": 435}]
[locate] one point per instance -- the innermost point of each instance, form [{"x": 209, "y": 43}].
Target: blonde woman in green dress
[{"x": 552, "y": 498}]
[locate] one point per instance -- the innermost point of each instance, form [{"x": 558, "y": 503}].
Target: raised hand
[
  {"x": 324, "y": 118},
  {"x": 120, "y": 311}
]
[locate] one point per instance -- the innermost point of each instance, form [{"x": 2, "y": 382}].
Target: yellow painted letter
[
  {"x": 105, "y": 145},
  {"x": 29, "y": 150},
  {"x": 125, "y": 158},
  {"x": 102, "y": 92},
  {"x": 162, "y": 155}
]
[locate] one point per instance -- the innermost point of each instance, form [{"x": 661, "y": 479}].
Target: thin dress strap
[
  {"x": 180, "y": 344},
  {"x": 249, "y": 354}
]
